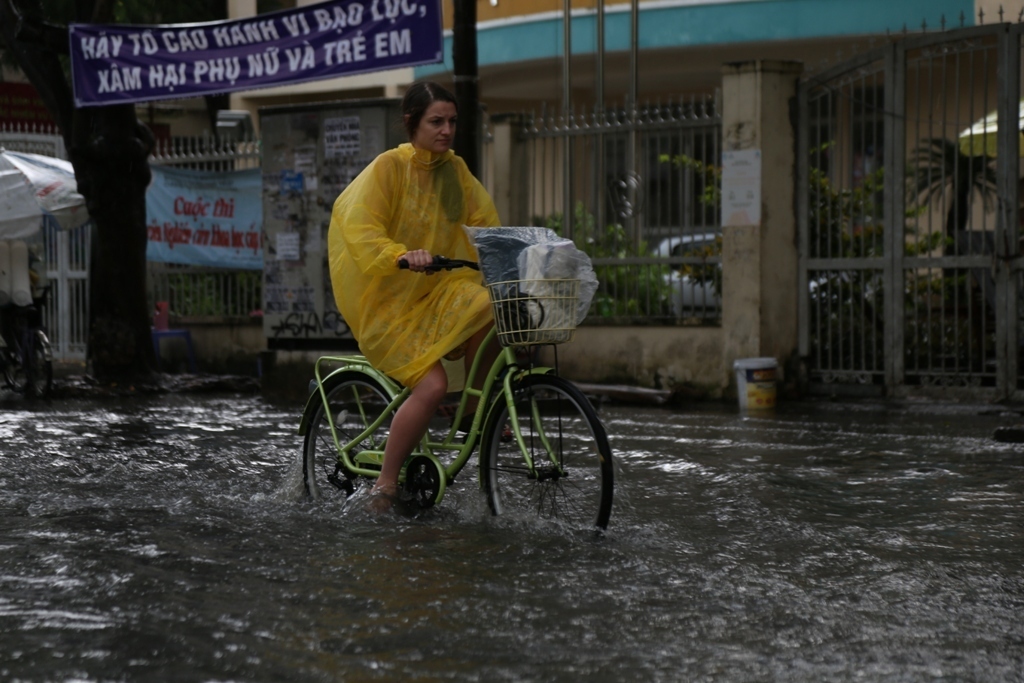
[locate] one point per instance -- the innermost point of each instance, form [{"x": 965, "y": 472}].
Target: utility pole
[{"x": 467, "y": 89}]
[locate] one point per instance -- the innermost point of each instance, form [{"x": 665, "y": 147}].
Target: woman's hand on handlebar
[
  {"x": 418, "y": 260},
  {"x": 437, "y": 263}
]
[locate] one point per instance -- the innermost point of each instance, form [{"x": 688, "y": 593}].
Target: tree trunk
[{"x": 111, "y": 149}]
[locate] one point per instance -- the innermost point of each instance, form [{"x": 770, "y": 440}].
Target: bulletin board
[{"x": 310, "y": 154}]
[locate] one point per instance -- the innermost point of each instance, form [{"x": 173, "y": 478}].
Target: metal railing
[
  {"x": 643, "y": 187},
  {"x": 33, "y": 138},
  {"x": 198, "y": 292},
  {"x": 208, "y": 152}
]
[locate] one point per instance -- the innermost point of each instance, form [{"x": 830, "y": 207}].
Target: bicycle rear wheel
[
  {"x": 571, "y": 479},
  {"x": 356, "y": 401}
]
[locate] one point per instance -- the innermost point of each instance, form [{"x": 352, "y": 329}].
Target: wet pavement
[{"x": 165, "y": 537}]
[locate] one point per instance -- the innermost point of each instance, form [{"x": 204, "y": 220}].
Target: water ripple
[{"x": 168, "y": 538}]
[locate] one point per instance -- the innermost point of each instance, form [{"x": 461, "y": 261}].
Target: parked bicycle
[
  {"x": 543, "y": 449},
  {"x": 26, "y": 358}
]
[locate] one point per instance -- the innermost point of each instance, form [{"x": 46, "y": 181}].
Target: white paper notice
[
  {"x": 287, "y": 244},
  {"x": 341, "y": 137},
  {"x": 305, "y": 159},
  {"x": 741, "y": 187}
]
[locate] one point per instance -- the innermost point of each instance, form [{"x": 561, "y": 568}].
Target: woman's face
[{"x": 436, "y": 130}]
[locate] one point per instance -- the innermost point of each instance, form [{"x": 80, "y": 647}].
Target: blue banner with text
[
  {"x": 205, "y": 218},
  {"x": 122, "y": 63}
]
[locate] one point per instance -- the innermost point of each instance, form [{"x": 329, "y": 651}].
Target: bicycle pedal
[{"x": 341, "y": 483}]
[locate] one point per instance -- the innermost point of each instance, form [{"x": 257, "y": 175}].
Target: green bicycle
[{"x": 543, "y": 449}]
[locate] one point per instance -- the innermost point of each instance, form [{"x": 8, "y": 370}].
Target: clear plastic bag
[
  {"x": 526, "y": 257},
  {"x": 542, "y": 265}
]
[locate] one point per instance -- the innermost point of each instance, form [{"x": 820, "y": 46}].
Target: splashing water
[{"x": 169, "y": 538}]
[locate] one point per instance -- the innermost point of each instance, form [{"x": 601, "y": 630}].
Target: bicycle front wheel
[
  {"x": 560, "y": 468},
  {"x": 354, "y": 402}
]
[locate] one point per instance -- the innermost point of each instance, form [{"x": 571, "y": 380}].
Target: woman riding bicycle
[{"x": 409, "y": 204}]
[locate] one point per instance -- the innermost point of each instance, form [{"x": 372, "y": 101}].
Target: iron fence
[
  {"x": 908, "y": 198},
  {"x": 33, "y": 138},
  {"x": 199, "y": 292},
  {"x": 641, "y": 189},
  {"x": 208, "y": 152},
  {"x": 196, "y": 291}
]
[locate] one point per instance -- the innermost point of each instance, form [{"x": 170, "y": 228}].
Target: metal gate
[
  {"x": 65, "y": 254},
  {"x": 907, "y": 204},
  {"x": 67, "y": 270}
]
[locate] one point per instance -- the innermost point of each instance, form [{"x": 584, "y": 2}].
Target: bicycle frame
[{"x": 368, "y": 462}]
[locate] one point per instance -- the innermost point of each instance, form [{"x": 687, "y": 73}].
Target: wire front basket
[{"x": 532, "y": 312}]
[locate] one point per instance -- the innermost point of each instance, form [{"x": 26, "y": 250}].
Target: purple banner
[{"x": 120, "y": 63}]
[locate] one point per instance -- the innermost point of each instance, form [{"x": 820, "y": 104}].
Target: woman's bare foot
[{"x": 382, "y": 498}]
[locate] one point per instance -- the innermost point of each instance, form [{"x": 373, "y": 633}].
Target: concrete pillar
[
  {"x": 240, "y": 9},
  {"x": 508, "y": 186},
  {"x": 759, "y": 260}
]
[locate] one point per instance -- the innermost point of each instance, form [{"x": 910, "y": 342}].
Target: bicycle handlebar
[{"x": 443, "y": 263}]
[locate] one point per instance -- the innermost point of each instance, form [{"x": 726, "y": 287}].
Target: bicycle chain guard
[{"x": 425, "y": 480}]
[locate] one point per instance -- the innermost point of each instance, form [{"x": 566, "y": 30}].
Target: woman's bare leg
[{"x": 409, "y": 425}]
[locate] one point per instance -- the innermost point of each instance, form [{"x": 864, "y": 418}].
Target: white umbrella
[
  {"x": 981, "y": 137},
  {"x": 33, "y": 187}
]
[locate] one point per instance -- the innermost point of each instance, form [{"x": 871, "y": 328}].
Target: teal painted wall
[{"x": 710, "y": 24}]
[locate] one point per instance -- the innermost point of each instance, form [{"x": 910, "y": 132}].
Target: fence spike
[
  {"x": 1000, "y": 14},
  {"x": 924, "y": 26},
  {"x": 942, "y": 22},
  {"x": 981, "y": 15}
]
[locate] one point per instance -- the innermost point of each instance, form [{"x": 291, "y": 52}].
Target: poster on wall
[
  {"x": 341, "y": 136},
  {"x": 205, "y": 218},
  {"x": 316, "y": 150},
  {"x": 741, "y": 187}
]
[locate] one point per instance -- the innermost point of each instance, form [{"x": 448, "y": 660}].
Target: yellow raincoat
[{"x": 405, "y": 322}]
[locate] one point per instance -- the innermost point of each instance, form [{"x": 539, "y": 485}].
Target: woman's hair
[{"x": 416, "y": 101}]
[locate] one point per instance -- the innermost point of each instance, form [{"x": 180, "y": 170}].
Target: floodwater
[{"x": 165, "y": 539}]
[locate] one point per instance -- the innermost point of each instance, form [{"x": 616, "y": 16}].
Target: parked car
[{"x": 695, "y": 286}]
